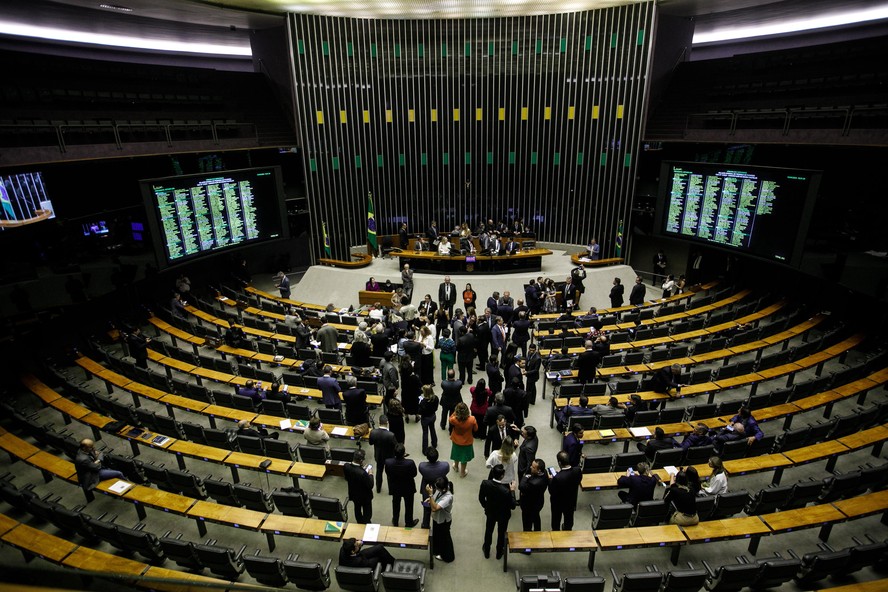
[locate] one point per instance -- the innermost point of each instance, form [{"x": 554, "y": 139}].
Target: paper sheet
[
  {"x": 371, "y": 533},
  {"x": 120, "y": 487},
  {"x": 640, "y": 432}
]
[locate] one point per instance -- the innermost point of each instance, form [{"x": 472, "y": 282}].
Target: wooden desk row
[
  {"x": 172, "y": 402},
  {"x": 777, "y": 462},
  {"x": 201, "y": 511},
  {"x": 753, "y": 528},
  {"x": 180, "y": 448}
]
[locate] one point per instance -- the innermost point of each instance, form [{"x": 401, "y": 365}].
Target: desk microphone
[{"x": 264, "y": 466}]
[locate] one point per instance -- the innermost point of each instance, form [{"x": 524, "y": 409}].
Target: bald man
[{"x": 88, "y": 463}]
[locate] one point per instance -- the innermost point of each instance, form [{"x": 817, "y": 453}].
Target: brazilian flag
[
  {"x": 619, "y": 248},
  {"x": 327, "y": 250},
  {"x": 371, "y": 223}
]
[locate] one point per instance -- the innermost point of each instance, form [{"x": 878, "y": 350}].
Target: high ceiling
[{"x": 227, "y": 23}]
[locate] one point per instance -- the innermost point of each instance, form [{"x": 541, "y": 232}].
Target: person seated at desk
[
  {"x": 444, "y": 246},
  {"x": 316, "y": 435},
  {"x": 496, "y": 247},
  {"x": 372, "y": 285},
  {"x": 252, "y": 390},
  {"x": 717, "y": 483},
  {"x": 730, "y": 433},
  {"x": 177, "y": 306},
  {"x": 565, "y": 413},
  {"x": 421, "y": 245},
  {"x": 88, "y": 463},
  {"x": 680, "y": 495},
  {"x": 640, "y": 484},
  {"x": 513, "y": 247},
  {"x": 276, "y": 394},
  {"x": 658, "y": 442},
  {"x": 354, "y": 554},
  {"x": 235, "y": 336},
  {"x": 699, "y": 437},
  {"x": 467, "y": 246},
  {"x": 484, "y": 239},
  {"x": 613, "y": 407},
  {"x": 750, "y": 425},
  {"x": 664, "y": 380},
  {"x": 245, "y": 428}
]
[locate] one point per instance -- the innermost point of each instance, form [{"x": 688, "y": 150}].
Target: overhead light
[
  {"x": 53, "y": 34},
  {"x": 116, "y": 7},
  {"x": 794, "y": 26}
]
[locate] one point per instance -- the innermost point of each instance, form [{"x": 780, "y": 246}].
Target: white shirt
[
  {"x": 444, "y": 248},
  {"x": 509, "y": 464},
  {"x": 717, "y": 485}
]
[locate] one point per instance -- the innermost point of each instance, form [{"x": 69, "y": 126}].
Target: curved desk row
[{"x": 431, "y": 262}]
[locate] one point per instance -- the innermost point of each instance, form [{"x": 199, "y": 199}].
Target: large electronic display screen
[
  {"x": 761, "y": 211},
  {"x": 194, "y": 215}
]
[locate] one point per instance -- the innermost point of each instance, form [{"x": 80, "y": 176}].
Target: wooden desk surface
[
  {"x": 161, "y": 500},
  {"x": 70, "y": 408},
  {"x": 17, "y": 447},
  {"x": 863, "y": 505},
  {"x": 184, "y": 403},
  {"x": 802, "y": 518},
  {"x": 239, "y": 459},
  {"x": 865, "y": 438},
  {"x": 38, "y": 542},
  {"x": 92, "y": 560},
  {"x": 871, "y": 586},
  {"x": 780, "y": 370},
  {"x": 7, "y": 524},
  {"x": 89, "y": 365},
  {"x": 307, "y": 471},
  {"x": 645, "y": 536},
  {"x": 815, "y": 452},
  {"x": 229, "y": 413},
  {"x": 728, "y": 528},
  {"x": 434, "y": 256},
  {"x": 60, "y": 467},
  {"x": 149, "y": 392},
  {"x": 311, "y": 528},
  {"x": 755, "y": 464},
  {"x": 392, "y": 536},
  {"x": 43, "y": 392},
  {"x": 662, "y": 535},
  {"x": 577, "y": 540},
  {"x": 237, "y": 517},
  {"x": 201, "y": 451}
]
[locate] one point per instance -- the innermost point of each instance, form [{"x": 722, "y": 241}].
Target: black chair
[
  {"x": 181, "y": 552},
  {"x": 275, "y": 408},
  {"x": 607, "y": 422},
  {"x": 251, "y": 445},
  {"x": 330, "y": 416},
  {"x": 267, "y": 570},
  {"x": 223, "y": 492},
  {"x": 769, "y": 499},
  {"x": 404, "y": 575},
  {"x": 186, "y": 483},
  {"x": 626, "y": 460},
  {"x": 870, "y": 554},
  {"x": 650, "y": 513},
  {"x": 584, "y": 584},
  {"x": 728, "y": 504},
  {"x": 803, "y": 493},
  {"x": 168, "y": 426},
  {"x": 221, "y": 438},
  {"x": 358, "y": 579},
  {"x": 705, "y": 505},
  {"x": 645, "y": 418},
  {"x": 637, "y": 582},
  {"x": 297, "y": 411},
  {"x": 774, "y": 572},
  {"x": 280, "y": 449},
  {"x": 684, "y": 580},
  {"x": 158, "y": 476},
  {"x": 820, "y": 565},
  {"x": 254, "y": 498},
  {"x": 141, "y": 542},
  {"x": 291, "y": 503},
  {"x": 345, "y": 455},
  {"x": 107, "y": 531},
  {"x": 316, "y": 455},
  {"x": 308, "y": 576},
  {"x": 792, "y": 439},
  {"x": 667, "y": 457},
  {"x": 71, "y": 521},
  {"x": 194, "y": 432},
  {"x": 671, "y": 415},
  {"x": 705, "y": 411},
  {"x": 733, "y": 450},
  {"x": 600, "y": 463},
  {"x": 840, "y": 486},
  {"x": 329, "y": 508},
  {"x": 222, "y": 561},
  {"x": 612, "y": 516},
  {"x": 763, "y": 446},
  {"x": 730, "y": 578},
  {"x": 699, "y": 454},
  {"x": 526, "y": 583}
]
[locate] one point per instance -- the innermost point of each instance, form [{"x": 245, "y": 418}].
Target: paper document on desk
[
  {"x": 371, "y": 533},
  {"x": 671, "y": 470},
  {"x": 640, "y": 432},
  {"x": 286, "y": 424},
  {"x": 340, "y": 431},
  {"x": 584, "y": 260},
  {"x": 120, "y": 487}
]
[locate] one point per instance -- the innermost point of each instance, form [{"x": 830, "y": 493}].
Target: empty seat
[
  {"x": 280, "y": 449},
  {"x": 308, "y": 576},
  {"x": 730, "y": 578},
  {"x": 637, "y": 582},
  {"x": 768, "y": 500},
  {"x": 599, "y": 463},
  {"x": 650, "y": 513},
  {"x": 728, "y": 504},
  {"x": 612, "y": 516},
  {"x": 186, "y": 483},
  {"x": 141, "y": 542},
  {"x": 404, "y": 575},
  {"x": 667, "y": 457},
  {"x": 329, "y": 508},
  {"x": 316, "y": 455},
  {"x": 818, "y": 566},
  {"x": 251, "y": 445},
  {"x": 222, "y": 561},
  {"x": 684, "y": 580},
  {"x": 529, "y": 582},
  {"x": 292, "y": 503},
  {"x": 774, "y": 572},
  {"x": 266, "y": 570},
  {"x": 254, "y": 498},
  {"x": 584, "y": 584},
  {"x": 181, "y": 552},
  {"x": 358, "y": 579}
]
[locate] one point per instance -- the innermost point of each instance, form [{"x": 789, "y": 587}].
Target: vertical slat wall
[{"x": 452, "y": 120}]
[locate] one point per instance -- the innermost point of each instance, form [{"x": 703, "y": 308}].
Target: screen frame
[
  {"x": 152, "y": 215},
  {"x": 804, "y": 222}
]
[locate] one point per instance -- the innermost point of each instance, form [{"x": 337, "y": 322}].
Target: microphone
[{"x": 264, "y": 466}]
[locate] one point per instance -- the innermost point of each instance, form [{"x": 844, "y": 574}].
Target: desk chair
[
  {"x": 820, "y": 565},
  {"x": 158, "y": 475},
  {"x": 684, "y": 580},
  {"x": 668, "y": 457},
  {"x": 600, "y": 463},
  {"x": 308, "y": 576},
  {"x": 251, "y": 445},
  {"x": 526, "y": 583},
  {"x": 181, "y": 552},
  {"x": 625, "y": 460},
  {"x": 71, "y": 521},
  {"x": 584, "y": 584},
  {"x": 329, "y": 508},
  {"x": 729, "y": 504},
  {"x": 671, "y": 415},
  {"x": 292, "y": 503},
  {"x": 107, "y": 531},
  {"x": 144, "y": 543},
  {"x": 729, "y": 578},
  {"x": 275, "y": 408},
  {"x": 404, "y": 575},
  {"x": 645, "y": 418},
  {"x": 330, "y": 416},
  {"x": 358, "y": 579},
  {"x": 223, "y": 492},
  {"x": 611, "y": 516},
  {"x": 697, "y": 455},
  {"x": 194, "y": 432},
  {"x": 637, "y": 582},
  {"x": 267, "y": 570},
  {"x": 316, "y": 455},
  {"x": 298, "y": 411},
  {"x": 649, "y": 513},
  {"x": 774, "y": 572},
  {"x": 187, "y": 484},
  {"x": 280, "y": 449},
  {"x": 803, "y": 493},
  {"x": 705, "y": 505},
  {"x": 222, "y": 561},
  {"x": 254, "y": 498},
  {"x": 611, "y": 360}
]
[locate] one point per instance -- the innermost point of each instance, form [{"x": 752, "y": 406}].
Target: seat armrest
[
  {"x": 326, "y": 569},
  {"x": 376, "y": 571}
]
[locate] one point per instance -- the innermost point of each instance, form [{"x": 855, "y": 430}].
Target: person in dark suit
[
  {"x": 88, "y": 464},
  {"x": 432, "y": 231},
  {"x": 356, "y": 409},
  {"x": 451, "y": 396},
  {"x": 447, "y": 295},
  {"x": 466, "y": 346},
  {"x": 498, "y": 337},
  {"x": 578, "y": 276},
  {"x": 401, "y": 473},
  {"x": 636, "y": 296},
  {"x": 482, "y": 339},
  {"x": 430, "y": 471},
  {"x": 659, "y": 265},
  {"x": 496, "y": 247},
  {"x": 512, "y": 247},
  {"x": 532, "y": 297},
  {"x": 497, "y": 433},
  {"x": 528, "y": 450},
  {"x": 383, "y": 441},
  {"x": 521, "y": 332},
  {"x": 403, "y": 237},
  {"x": 532, "y": 372},
  {"x": 563, "y": 489},
  {"x": 658, "y": 442},
  {"x": 640, "y": 484},
  {"x": 354, "y": 554},
  {"x": 516, "y": 397},
  {"x": 360, "y": 487},
  {"x": 572, "y": 444},
  {"x": 498, "y": 500},
  {"x": 138, "y": 347},
  {"x": 428, "y": 307},
  {"x": 665, "y": 379},
  {"x": 616, "y": 294},
  {"x": 570, "y": 294},
  {"x": 533, "y": 485},
  {"x": 498, "y": 408},
  {"x": 587, "y": 364}
]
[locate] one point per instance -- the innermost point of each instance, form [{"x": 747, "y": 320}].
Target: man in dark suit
[
  {"x": 482, "y": 339},
  {"x": 636, "y": 296},
  {"x": 512, "y": 247},
  {"x": 360, "y": 487},
  {"x": 88, "y": 464},
  {"x": 659, "y": 267},
  {"x": 403, "y": 237},
  {"x": 570, "y": 295},
  {"x": 383, "y": 442},
  {"x": 496, "y": 247},
  {"x": 428, "y": 307},
  {"x": 138, "y": 347},
  {"x": 587, "y": 364},
  {"x": 497, "y": 433},
  {"x": 451, "y": 396},
  {"x": 498, "y": 408},
  {"x": 498, "y": 337},
  {"x": 430, "y": 471},
  {"x": 563, "y": 489},
  {"x": 641, "y": 484},
  {"x": 532, "y": 297},
  {"x": 447, "y": 295},
  {"x": 533, "y": 484},
  {"x": 354, "y": 554},
  {"x": 616, "y": 294},
  {"x": 356, "y": 410},
  {"x": 465, "y": 354},
  {"x": 658, "y": 442},
  {"x": 498, "y": 500},
  {"x": 532, "y": 372},
  {"x": 432, "y": 232},
  {"x": 516, "y": 398},
  {"x": 578, "y": 275},
  {"x": 528, "y": 449},
  {"x": 401, "y": 473}
]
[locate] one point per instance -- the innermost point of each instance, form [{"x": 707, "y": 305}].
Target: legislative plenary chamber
[{"x": 561, "y": 296}]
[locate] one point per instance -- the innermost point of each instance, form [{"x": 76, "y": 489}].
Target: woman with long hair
[
  {"x": 469, "y": 297},
  {"x": 441, "y": 503},
  {"x": 396, "y": 419},
  {"x": 427, "y": 359},
  {"x": 718, "y": 478},
  {"x": 463, "y": 427},
  {"x": 428, "y": 409},
  {"x": 683, "y": 499},
  {"x": 507, "y": 457},
  {"x": 411, "y": 389},
  {"x": 480, "y": 400}
]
